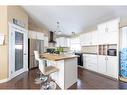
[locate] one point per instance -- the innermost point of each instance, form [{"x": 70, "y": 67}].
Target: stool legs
[
  {"x": 49, "y": 84},
  {"x": 41, "y": 79}
]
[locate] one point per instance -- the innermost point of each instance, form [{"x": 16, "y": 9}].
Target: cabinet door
[
  {"x": 88, "y": 40},
  {"x": 112, "y": 66},
  {"x": 68, "y": 42},
  {"x": 46, "y": 41},
  {"x": 61, "y": 41},
  {"x": 82, "y": 39},
  {"x": 102, "y": 34},
  {"x": 85, "y": 39},
  {"x": 102, "y": 64},
  {"x": 65, "y": 42},
  {"x": 84, "y": 60},
  {"x": 112, "y": 30},
  {"x": 40, "y": 36},
  {"x": 29, "y": 34},
  {"x": 94, "y": 38},
  {"x": 32, "y": 35},
  {"x": 57, "y": 42}
]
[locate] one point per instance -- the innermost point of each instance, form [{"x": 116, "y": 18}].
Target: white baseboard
[
  {"x": 80, "y": 66},
  {"x": 4, "y": 80},
  {"x": 7, "y": 79}
]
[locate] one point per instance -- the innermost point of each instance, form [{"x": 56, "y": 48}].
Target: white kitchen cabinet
[
  {"x": 90, "y": 38},
  {"x": 81, "y": 39},
  {"x": 108, "y": 32},
  {"x": 108, "y": 65},
  {"x": 102, "y": 64},
  {"x": 45, "y": 41},
  {"x": 102, "y": 34},
  {"x": 68, "y": 42},
  {"x": 85, "y": 39},
  {"x": 84, "y": 60},
  {"x": 90, "y": 62},
  {"x": 113, "y": 30},
  {"x": 40, "y": 36},
  {"x": 32, "y": 34},
  {"x": 63, "y": 42},
  {"x": 94, "y": 37},
  {"x": 57, "y": 42},
  {"x": 112, "y": 66},
  {"x": 60, "y": 42},
  {"x": 36, "y": 35}
]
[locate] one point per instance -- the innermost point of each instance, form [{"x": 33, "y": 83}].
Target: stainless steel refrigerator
[{"x": 37, "y": 45}]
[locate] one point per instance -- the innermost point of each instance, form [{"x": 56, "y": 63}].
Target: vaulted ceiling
[{"x": 74, "y": 18}]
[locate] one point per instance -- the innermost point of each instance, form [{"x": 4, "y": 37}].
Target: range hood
[{"x": 51, "y": 38}]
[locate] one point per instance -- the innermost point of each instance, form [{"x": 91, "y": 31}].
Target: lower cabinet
[
  {"x": 102, "y": 64},
  {"x": 112, "y": 66},
  {"x": 90, "y": 62},
  {"x": 107, "y": 65}
]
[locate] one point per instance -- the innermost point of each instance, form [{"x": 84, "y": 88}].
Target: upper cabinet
[
  {"x": 36, "y": 35},
  {"x": 32, "y": 34},
  {"x": 40, "y": 36},
  {"x": 89, "y": 38},
  {"x": 94, "y": 37},
  {"x": 45, "y": 41},
  {"x": 108, "y": 32},
  {"x": 62, "y": 42}
]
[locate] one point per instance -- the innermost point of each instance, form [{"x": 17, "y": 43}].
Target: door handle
[{"x": 24, "y": 54}]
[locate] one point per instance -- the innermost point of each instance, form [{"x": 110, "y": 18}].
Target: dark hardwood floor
[{"x": 86, "y": 80}]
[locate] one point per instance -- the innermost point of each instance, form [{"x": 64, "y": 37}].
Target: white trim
[
  {"x": 11, "y": 25},
  {"x": 4, "y": 80},
  {"x": 9, "y": 78}
]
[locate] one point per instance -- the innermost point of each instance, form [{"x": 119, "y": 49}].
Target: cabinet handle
[
  {"x": 106, "y": 58},
  {"x": 106, "y": 29}
]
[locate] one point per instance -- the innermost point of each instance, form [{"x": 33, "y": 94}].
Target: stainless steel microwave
[{"x": 111, "y": 52}]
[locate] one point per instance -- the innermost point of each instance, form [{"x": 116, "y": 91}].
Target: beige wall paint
[
  {"x": 32, "y": 25},
  {"x": 17, "y": 13},
  {"x": 3, "y": 48},
  {"x": 7, "y": 13}
]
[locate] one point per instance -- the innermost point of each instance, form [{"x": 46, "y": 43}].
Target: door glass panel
[{"x": 18, "y": 51}]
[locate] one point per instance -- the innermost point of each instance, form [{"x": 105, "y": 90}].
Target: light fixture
[
  {"x": 73, "y": 33},
  {"x": 58, "y": 31}
]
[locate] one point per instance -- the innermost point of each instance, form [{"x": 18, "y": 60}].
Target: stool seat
[
  {"x": 46, "y": 71},
  {"x": 50, "y": 69}
]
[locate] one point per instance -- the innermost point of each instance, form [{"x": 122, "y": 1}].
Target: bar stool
[
  {"x": 47, "y": 71},
  {"x": 42, "y": 78}
]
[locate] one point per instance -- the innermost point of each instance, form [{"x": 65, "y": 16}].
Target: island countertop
[{"x": 57, "y": 57}]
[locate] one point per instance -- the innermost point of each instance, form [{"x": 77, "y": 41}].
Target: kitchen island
[{"x": 67, "y": 65}]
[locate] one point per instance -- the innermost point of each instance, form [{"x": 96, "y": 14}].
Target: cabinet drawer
[
  {"x": 91, "y": 58},
  {"x": 91, "y": 66}
]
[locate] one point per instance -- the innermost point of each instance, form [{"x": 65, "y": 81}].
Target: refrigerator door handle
[{"x": 25, "y": 54}]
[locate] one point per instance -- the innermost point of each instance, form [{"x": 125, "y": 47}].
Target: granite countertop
[{"x": 57, "y": 57}]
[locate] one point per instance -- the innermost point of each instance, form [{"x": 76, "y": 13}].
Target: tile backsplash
[{"x": 89, "y": 49}]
